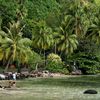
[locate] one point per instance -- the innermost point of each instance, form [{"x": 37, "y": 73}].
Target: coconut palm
[
  {"x": 21, "y": 11},
  {"x": 81, "y": 11},
  {"x": 94, "y": 31},
  {"x": 42, "y": 36},
  {"x": 13, "y": 46},
  {"x": 66, "y": 41},
  {"x": 82, "y": 16}
]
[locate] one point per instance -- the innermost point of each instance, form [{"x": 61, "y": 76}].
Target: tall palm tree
[
  {"x": 13, "y": 46},
  {"x": 66, "y": 40},
  {"x": 42, "y": 36}
]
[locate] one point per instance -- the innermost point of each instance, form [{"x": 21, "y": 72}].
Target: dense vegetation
[{"x": 50, "y": 34}]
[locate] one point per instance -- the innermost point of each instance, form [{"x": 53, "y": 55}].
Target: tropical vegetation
[{"x": 35, "y": 32}]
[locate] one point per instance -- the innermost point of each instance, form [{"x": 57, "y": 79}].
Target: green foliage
[
  {"x": 82, "y": 11},
  {"x": 66, "y": 40},
  {"x": 86, "y": 57},
  {"x": 54, "y": 58},
  {"x": 13, "y": 46},
  {"x": 39, "y": 9},
  {"x": 56, "y": 67},
  {"x": 90, "y": 63},
  {"x": 55, "y": 64},
  {"x": 66, "y": 27},
  {"x": 97, "y": 2},
  {"x": 34, "y": 60},
  {"x": 87, "y": 63},
  {"x": 8, "y": 9},
  {"x": 94, "y": 30},
  {"x": 42, "y": 36}
]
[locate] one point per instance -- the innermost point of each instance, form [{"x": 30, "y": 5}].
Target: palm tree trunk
[
  {"x": 55, "y": 48},
  {"x": 18, "y": 65},
  {"x": 0, "y": 22},
  {"x": 7, "y": 66},
  {"x": 9, "y": 60},
  {"x": 40, "y": 52},
  {"x": 36, "y": 67},
  {"x": 44, "y": 59}
]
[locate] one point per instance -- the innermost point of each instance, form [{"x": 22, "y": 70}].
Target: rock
[
  {"x": 2, "y": 76},
  {"x": 0, "y": 86},
  {"x": 90, "y": 92},
  {"x": 77, "y": 72}
]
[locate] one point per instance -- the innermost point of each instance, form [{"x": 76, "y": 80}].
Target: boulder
[{"x": 90, "y": 92}]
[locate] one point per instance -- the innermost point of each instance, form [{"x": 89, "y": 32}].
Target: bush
[
  {"x": 55, "y": 64},
  {"x": 88, "y": 63},
  {"x": 89, "y": 69},
  {"x": 56, "y": 67},
  {"x": 54, "y": 57},
  {"x": 34, "y": 60}
]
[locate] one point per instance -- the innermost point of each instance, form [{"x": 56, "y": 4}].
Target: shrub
[
  {"x": 88, "y": 69},
  {"x": 87, "y": 63},
  {"x": 34, "y": 60},
  {"x": 54, "y": 58},
  {"x": 55, "y": 64},
  {"x": 56, "y": 67}
]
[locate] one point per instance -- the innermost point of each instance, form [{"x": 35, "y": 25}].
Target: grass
[{"x": 66, "y": 88}]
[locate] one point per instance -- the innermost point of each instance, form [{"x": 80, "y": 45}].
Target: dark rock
[
  {"x": 0, "y": 86},
  {"x": 90, "y": 92}
]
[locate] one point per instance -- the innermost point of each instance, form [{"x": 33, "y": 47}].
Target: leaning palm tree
[
  {"x": 13, "y": 46},
  {"x": 66, "y": 41}
]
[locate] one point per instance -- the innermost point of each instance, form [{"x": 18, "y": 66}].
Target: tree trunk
[
  {"x": 36, "y": 68},
  {"x": 40, "y": 52},
  {"x": 55, "y": 48},
  {"x": 44, "y": 59},
  {"x": 7, "y": 66},
  {"x": 18, "y": 65}
]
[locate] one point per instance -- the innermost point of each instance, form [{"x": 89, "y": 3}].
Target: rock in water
[{"x": 90, "y": 92}]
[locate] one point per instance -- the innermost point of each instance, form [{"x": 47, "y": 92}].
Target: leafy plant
[
  {"x": 55, "y": 64},
  {"x": 66, "y": 40},
  {"x": 34, "y": 60},
  {"x": 13, "y": 45},
  {"x": 56, "y": 67},
  {"x": 54, "y": 58}
]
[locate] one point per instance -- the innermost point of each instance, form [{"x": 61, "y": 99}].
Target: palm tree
[
  {"x": 13, "y": 46},
  {"x": 21, "y": 12},
  {"x": 94, "y": 30},
  {"x": 66, "y": 40},
  {"x": 42, "y": 36},
  {"x": 81, "y": 11}
]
